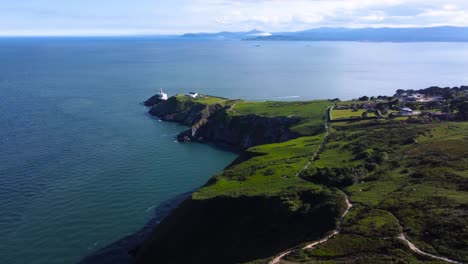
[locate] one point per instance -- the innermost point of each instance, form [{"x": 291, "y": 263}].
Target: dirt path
[
  {"x": 420, "y": 252},
  {"x": 349, "y": 205},
  {"x": 322, "y": 145},
  {"x": 335, "y": 232}
]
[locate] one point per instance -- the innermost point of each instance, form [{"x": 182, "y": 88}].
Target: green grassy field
[
  {"x": 349, "y": 113},
  {"x": 270, "y": 170},
  {"x": 356, "y": 102},
  {"x": 203, "y": 99},
  {"x": 312, "y": 113}
]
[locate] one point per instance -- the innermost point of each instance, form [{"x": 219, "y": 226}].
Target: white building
[
  {"x": 405, "y": 111},
  {"x": 192, "y": 94},
  {"x": 416, "y": 98},
  {"x": 162, "y": 95}
]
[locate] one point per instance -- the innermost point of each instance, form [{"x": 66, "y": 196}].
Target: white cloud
[
  {"x": 180, "y": 16},
  {"x": 275, "y": 15}
]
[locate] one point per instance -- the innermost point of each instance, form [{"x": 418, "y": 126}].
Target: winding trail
[
  {"x": 420, "y": 252},
  {"x": 311, "y": 245},
  {"x": 349, "y": 205},
  {"x": 322, "y": 145}
]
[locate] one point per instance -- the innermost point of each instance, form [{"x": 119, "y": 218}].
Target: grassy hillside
[
  {"x": 312, "y": 113},
  {"x": 349, "y": 114},
  {"x": 402, "y": 177},
  {"x": 258, "y": 205},
  {"x": 202, "y": 99},
  {"x": 408, "y": 177},
  {"x": 266, "y": 170}
]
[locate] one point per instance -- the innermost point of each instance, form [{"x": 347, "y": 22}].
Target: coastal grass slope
[
  {"x": 405, "y": 179},
  {"x": 311, "y": 113},
  {"x": 262, "y": 187},
  {"x": 266, "y": 170},
  {"x": 415, "y": 183}
]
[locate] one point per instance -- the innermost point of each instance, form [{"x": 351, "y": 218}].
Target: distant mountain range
[
  {"x": 228, "y": 35},
  {"x": 428, "y": 34}
]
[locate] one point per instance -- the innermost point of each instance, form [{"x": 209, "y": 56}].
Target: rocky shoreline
[
  {"x": 212, "y": 123},
  {"x": 123, "y": 250}
]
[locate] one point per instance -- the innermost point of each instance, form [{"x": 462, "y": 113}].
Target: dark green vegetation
[
  {"x": 406, "y": 177},
  {"x": 409, "y": 177}
]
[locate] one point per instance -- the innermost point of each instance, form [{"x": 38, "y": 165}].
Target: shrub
[
  {"x": 371, "y": 166},
  {"x": 366, "y": 154},
  {"x": 334, "y": 177},
  {"x": 381, "y": 157}
]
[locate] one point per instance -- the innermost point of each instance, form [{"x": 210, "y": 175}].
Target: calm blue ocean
[{"x": 81, "y": 162}]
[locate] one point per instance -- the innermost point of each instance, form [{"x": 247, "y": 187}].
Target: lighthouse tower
[{"x": 162, "y": 95}]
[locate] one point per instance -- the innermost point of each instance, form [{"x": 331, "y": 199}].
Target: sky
[{"x": 141, "y": 17}]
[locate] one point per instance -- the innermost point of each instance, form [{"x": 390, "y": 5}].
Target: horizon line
[{"x": 134, "y": 34}]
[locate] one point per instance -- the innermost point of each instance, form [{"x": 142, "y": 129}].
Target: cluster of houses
[
  {"x": 163, "y": 96},
  {"x": 416, "y": 98},
  {"x": 403, "y": 111},
  {"x": 421, "y": 98}
]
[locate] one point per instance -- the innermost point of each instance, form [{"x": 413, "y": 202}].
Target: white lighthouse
[{"x": 162, "y": 95}]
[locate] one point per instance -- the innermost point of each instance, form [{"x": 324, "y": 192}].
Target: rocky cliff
[
  {"x": 219, "y": 124},
  {"x": 238, "y": 216},
  {"x": 239, "y": 229}
]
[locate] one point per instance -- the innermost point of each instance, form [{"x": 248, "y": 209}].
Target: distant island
[
  {"x": 374, "y": 180},
  {"x": 228, "y": 35},
  {"x": 384, "y": 34}
]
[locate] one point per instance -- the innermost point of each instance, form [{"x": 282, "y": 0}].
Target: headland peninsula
[{"x": 372, "y": 180}]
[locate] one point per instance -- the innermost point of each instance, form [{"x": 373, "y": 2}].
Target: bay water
[{"x": 82, "y": 164}]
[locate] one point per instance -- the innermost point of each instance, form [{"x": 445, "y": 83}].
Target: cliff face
[
  {"x": 214, "y": 123},
  {"x": 154, "y": 100},
  {"x": 234, "y": 227},
  {"x": 184, "y": 112},
  {"x": 242, "y": 132},
  {"x": 238, "y": 229}
]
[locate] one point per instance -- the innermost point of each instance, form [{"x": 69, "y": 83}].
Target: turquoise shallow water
[{"x": 82, "y": 163}]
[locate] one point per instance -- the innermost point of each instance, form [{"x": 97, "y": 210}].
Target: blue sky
[{"x": 127, "y": 17}]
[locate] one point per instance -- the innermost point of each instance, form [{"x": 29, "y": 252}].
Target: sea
[{"x": 82, "y": 163}]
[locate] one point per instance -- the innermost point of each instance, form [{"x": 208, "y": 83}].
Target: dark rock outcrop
[
  {"x": 214, "y": 123},
  {"x": 185, "y": 112},
  {"x": 242, "y": 131},
  {"x": 154, "y": 100}
]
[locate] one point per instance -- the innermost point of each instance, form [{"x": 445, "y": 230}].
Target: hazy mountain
[
  {"x": 446, "y": 33},
  {"x": 228, "y": 35}
]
